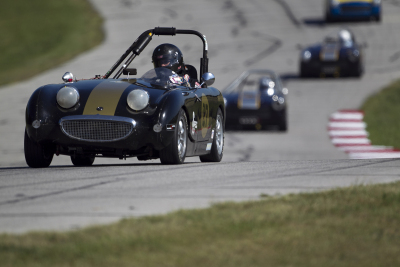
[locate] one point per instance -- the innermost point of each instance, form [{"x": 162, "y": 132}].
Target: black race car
[
  {"x": 336, "y": 56},
  {"x": 256, "y": 100},
  {"x": 149, "y": 117}
]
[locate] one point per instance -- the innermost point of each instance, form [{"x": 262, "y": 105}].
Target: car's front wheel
[
  {"x": 175, "y": 152},
  {"x": 217, "y": 148},
  {"x": 37, "y": 155},
  {"x": 82, "y": 160},
  {"x": 377, "y": 18},
  {"x": 282, "y": 126},
  {"x": 304, "y": 73}
]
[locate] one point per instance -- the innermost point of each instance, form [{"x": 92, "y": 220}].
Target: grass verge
[
  {"x": 382, "y": 115},
  {"x": 38, "y": 35},
  {"x": 357, "y": 226}
]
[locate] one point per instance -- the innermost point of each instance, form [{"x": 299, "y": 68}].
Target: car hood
[
  {"x": 96, "y": 97},
  {"x": 107, "y": 94}
]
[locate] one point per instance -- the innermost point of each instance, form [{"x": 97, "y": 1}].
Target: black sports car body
[
  {"x": 148, "y": 117},
  {"x": 256, "y": 100},
  {"x": 336, "y": 56}
]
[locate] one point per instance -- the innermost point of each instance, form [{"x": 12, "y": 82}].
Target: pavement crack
[
  {"x": 289, "y": 13},
  {"x": 14, "y": 201},
  {"x": 238, "y": 16},
  {"x": 276, "y": 44},
  {"x": 246, "y": 154},
  {"x": 394, "y": 57}
]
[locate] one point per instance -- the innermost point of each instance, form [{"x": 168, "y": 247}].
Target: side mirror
[
  {"x": 68, "y": 77},
  {"x": 208, "y": 78},
  {"x": 129, "y": 71}
]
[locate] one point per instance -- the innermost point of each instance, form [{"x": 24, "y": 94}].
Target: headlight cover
[
  {"x": 67, "y": 97},
  {"x": 270, "y": 91},
  {"x": 353, "y": 54},
  {"x": 138, "y": 99},
  {"x": 306, "y": 56}
]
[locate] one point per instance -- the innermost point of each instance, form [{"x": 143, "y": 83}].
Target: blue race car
[
  {"x": 256, "y": 100},
  {"x": 336, "y": 56},
  {"x": 353, "y": 9}
]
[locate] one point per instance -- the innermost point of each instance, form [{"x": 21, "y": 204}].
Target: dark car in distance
[
  {"x": 256, "y": 100},
  {"x": 336, "y": 56}
]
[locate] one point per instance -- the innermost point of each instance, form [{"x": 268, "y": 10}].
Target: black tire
[
  {"x": 82, "y": 160},
  {"x": 304, "y": 73},
  {"x": 377, "y": 18},
  {"x": 282, "y": 126},
  {"x": 175, "y": 152},
  {"x": 359, "y": 72},
  {"x": 37, "y": 155},
  {"x": 217, "y": 148}
]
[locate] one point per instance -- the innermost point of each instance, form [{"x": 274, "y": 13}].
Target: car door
[
  {"x": 204, "y": 125},
  {"x": 193, "y": 105}
]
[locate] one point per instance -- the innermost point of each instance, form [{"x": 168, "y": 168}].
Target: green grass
[
  {"x": 357, "y": 226},
  {"x": 37, "y": 35},
  {"x": 382, "y": 115}
]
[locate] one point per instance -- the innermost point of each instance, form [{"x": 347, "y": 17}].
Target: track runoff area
[{"x": 348, "y": 133}]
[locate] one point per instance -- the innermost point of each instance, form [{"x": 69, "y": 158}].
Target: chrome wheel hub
[
  {"x": 181, "y": 138},
  {"x": 219, "y": 135}
]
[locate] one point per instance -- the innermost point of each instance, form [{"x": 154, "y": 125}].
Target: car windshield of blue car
[
  {"x": 343, "y": 37},
  {"x": 255, "y": 83},
  {"x": 159, "y": 77}
]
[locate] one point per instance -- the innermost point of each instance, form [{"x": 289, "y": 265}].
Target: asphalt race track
[{"x": 254, "y": 34}]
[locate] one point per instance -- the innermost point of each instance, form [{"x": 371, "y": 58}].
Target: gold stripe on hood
[
  {"x": 105, "y": 95},
  {"x": 330, "y": 52}
]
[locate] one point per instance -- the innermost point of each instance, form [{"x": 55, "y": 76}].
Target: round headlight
[
  {"x": 270, "y": 91},
  {"x": 67, "y": 97},
  {"x": 306, "y": 56},
  {"x": 353, "y": 55},
  {"x": 138, "y": 99}
]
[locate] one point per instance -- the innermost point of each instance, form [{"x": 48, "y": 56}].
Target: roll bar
[{"x": 144, "y": 39}]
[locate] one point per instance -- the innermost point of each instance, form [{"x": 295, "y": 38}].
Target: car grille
[
  {"x": 96, "y": 130},
  {"x": 355, "y": 9}
]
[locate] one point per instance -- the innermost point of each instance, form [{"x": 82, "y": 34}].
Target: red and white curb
[{"x": 347, "y": 131}]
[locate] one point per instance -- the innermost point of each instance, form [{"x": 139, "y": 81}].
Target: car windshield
[
  {"x": 254, "y": 83},
  {"x": 343, "y": 37},
  {"x": 159, "y": 77}
]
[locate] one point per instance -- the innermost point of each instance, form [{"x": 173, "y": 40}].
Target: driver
[{"x": 169, "y": 56}]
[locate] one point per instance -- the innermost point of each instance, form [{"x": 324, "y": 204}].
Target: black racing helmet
[{"x": 168, "y": 56}]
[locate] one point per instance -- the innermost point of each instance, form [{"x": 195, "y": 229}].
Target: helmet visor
[{"x": 164, "y": 61}]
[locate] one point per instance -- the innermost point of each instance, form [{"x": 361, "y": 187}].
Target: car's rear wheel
[
  {"x": 80, "y": 160},
  {"x": 37, "y": 155},
  {"x": 175, "y": 152},
  {"x": 217, "y": 148}
]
